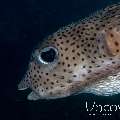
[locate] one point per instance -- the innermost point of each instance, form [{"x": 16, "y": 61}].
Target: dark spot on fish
[
  {"x": 116, "y": 43},
  {"x": 117, "y": 50},
  {"x": 68, "y": 65},
  {"x": 75, "y": 64},
  {"x": 67, "y": 58}
]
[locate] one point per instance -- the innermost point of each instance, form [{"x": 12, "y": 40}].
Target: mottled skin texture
[{"x": 85, "y": 56}]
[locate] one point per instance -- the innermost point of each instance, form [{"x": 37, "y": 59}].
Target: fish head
[{"x": 51, "y": 69}]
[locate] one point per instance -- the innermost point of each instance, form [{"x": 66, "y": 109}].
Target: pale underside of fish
[{"x": 83, "y": 57}]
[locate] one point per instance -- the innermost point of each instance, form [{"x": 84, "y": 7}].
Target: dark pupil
[{"x": 49, "y": 55}]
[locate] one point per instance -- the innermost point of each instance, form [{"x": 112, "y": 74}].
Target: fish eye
[{"x": 48, "y": 55}]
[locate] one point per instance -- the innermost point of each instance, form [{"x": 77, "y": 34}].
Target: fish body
[{"x": 83, "y": 57}]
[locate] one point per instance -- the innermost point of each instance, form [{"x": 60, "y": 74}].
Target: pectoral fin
[
  {"x": 110, "y": 40},
  {"x": 113, "y": 41}
]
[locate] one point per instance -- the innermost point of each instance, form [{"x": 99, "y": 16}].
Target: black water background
[{"x": 24, "y": 23}]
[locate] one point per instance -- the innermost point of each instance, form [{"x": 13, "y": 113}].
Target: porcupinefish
[{"x": 83, "y": 57}]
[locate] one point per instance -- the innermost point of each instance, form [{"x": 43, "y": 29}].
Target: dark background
[{"x": 24, "y": 23}]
